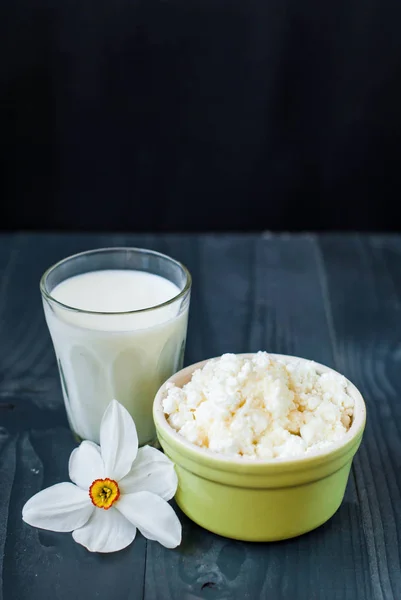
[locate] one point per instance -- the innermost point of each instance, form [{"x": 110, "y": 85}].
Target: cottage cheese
[{"x": 260, "y": 407}]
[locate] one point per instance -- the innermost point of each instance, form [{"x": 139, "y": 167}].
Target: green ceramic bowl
[{"x": 259, "y": 500}]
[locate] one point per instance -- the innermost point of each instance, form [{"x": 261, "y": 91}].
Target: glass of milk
[{"x": 118, "y": 321}]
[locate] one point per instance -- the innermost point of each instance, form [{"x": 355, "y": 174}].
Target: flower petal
[
  {"x": 106, "y": 531},
  {"x": 62, "y": 507},
  {"x": 153, "y": 516},
  {"x": 153, "y": 472},
  {"x": 118, "y": 440},
  {"x": 86, "y": 465}
]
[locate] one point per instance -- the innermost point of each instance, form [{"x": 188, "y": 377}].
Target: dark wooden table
[{"x": 334, "y": 298}]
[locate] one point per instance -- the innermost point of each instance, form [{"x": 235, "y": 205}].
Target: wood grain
[
  {"x": 362, "y": 276},
  {"x": 336, "y": 299}
]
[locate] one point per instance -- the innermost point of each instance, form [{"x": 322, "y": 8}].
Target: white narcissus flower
[{"x": 116, "y": 490}]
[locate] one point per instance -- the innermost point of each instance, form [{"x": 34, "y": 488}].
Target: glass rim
[{"x": 47, "y": 295}]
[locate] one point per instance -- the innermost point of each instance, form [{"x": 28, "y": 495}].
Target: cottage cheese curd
[{"x": 260, "y": 407}]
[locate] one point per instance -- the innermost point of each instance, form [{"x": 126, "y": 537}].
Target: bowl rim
[{"x": 218, "y": 461}]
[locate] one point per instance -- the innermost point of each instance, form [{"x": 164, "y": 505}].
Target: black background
[{"x": 200, "y": 114}]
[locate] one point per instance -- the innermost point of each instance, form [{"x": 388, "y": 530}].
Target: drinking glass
[{"x": 121, "y": 355}]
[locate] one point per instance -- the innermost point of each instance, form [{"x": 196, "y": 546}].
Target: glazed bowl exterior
[{"x": 259, "y": 500}]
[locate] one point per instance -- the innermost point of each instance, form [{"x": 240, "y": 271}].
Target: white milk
[{"x": 122, "y": 356}]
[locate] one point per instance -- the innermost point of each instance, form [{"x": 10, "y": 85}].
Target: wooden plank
[
  {"x": 277, "y": 294},
  {"x": 7, "y": 473},
  {"x": 362, "y": 277},
  {"x": 36, "y": 563}
]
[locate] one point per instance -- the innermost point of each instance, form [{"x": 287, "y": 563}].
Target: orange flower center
[{"x": 104, "y": 492}]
